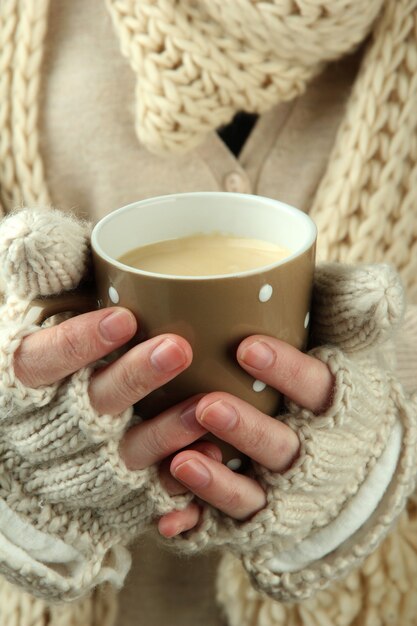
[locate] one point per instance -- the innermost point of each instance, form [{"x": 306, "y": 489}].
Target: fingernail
[
  {"x": 116, "y": 326},
  {"x": 193, "y": 474},
  {"x": 171, "y": 531},
  {"x": 174, "y": 532},
  {"x": 219, "y": 415},
  {"x": 189, "y": 420},
  {"x": 168, "y": 356},
  {"x": 258, "y": 355}
]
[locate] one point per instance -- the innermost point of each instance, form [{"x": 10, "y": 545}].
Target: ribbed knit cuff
[
  {"x": 295, "y": 586},
  {"x": 65, "y": 426}
]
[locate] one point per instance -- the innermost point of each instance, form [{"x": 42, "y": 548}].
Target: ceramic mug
[{"x": 214, "y": 313}]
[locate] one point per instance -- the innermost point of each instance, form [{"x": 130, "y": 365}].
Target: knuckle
[
  {"x": 257, "y": 437},
  {"x": 29, "y": 357},
  {"x": 71, "y": 347},
  {"x": 25, "y": 370},
  {"x": 231, "y": 499},
  {"x": 157, "y": 442},
  {"x": 284, "y": 446},
  {"x": 131, "y": 384},
  {"x": 284, "y": 449},
  {"x": 292, "y": 373}
]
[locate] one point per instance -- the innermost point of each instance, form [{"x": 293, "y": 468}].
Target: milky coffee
[{"x": 204, "y": 255}]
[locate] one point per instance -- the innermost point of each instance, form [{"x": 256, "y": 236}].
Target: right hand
[{"x": 50, "y": 355}]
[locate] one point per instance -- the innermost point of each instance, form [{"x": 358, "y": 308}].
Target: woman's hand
[
  {"x": 301, "y": 378},
  {"x": 51, "y": 354},
  {"x": 54, "y": 353}
]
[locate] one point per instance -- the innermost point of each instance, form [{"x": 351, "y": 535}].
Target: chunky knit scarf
[{"x": 198, "y": 62}]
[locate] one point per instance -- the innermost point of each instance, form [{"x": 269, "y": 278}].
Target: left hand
[{"x": 301, "y": 378}]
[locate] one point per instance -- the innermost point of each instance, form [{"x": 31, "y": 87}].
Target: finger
[
  {"x": 153, "y": 440},
  {"x": 172, "y": 486},
  {"x": 51, "y": 354},
  {"x": 135, "y": 374},
  {"x": 236, "y": 495},
  {"x": 301, "y": 377},
  {"x": 260, "y": 437},
  {"x": 179, "y": 521}
]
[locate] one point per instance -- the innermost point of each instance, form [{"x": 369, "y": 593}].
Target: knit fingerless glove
[
  {"x": 355, "y": 313},
  {"x": 68, "y": 505}
]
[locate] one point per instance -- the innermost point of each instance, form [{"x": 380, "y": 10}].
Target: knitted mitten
[
  {"x": 68, "y": 504},
  {"x": 355, "y": 311},
  {"x": 383, "y": 590}
]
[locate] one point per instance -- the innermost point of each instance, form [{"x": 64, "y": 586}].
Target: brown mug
[{"x": 213, "y": 313}]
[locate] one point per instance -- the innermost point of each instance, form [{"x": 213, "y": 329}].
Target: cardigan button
[{"x": 236, "y": 183}]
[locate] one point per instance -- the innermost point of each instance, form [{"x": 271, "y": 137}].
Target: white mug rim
[{"x": 310, "y": 239}]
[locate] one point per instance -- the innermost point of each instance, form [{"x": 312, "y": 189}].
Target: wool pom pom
[
  {"x": 42, "y": 252},
  {"x": 356, "y": 307}
]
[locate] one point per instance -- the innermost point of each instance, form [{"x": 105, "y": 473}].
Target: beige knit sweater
[{"x": 93, "y": 162}]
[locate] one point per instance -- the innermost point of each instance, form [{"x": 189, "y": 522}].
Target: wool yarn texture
[
  {"x": 364, "y": 205},
  {"x": 338, "y": 447},
  {"x": 65, "y": 479},
  {"x": 198, "y": 62},
  {"x": 98, "y": 608},
  {"x": 382, "y": 591},
  {"x": 63, "y": 484}
]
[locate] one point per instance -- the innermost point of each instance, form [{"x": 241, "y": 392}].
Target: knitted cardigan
[{"x": 369, "y": 190}]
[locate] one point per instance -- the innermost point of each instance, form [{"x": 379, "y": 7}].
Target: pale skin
[{"x": 54, "y": 353}]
